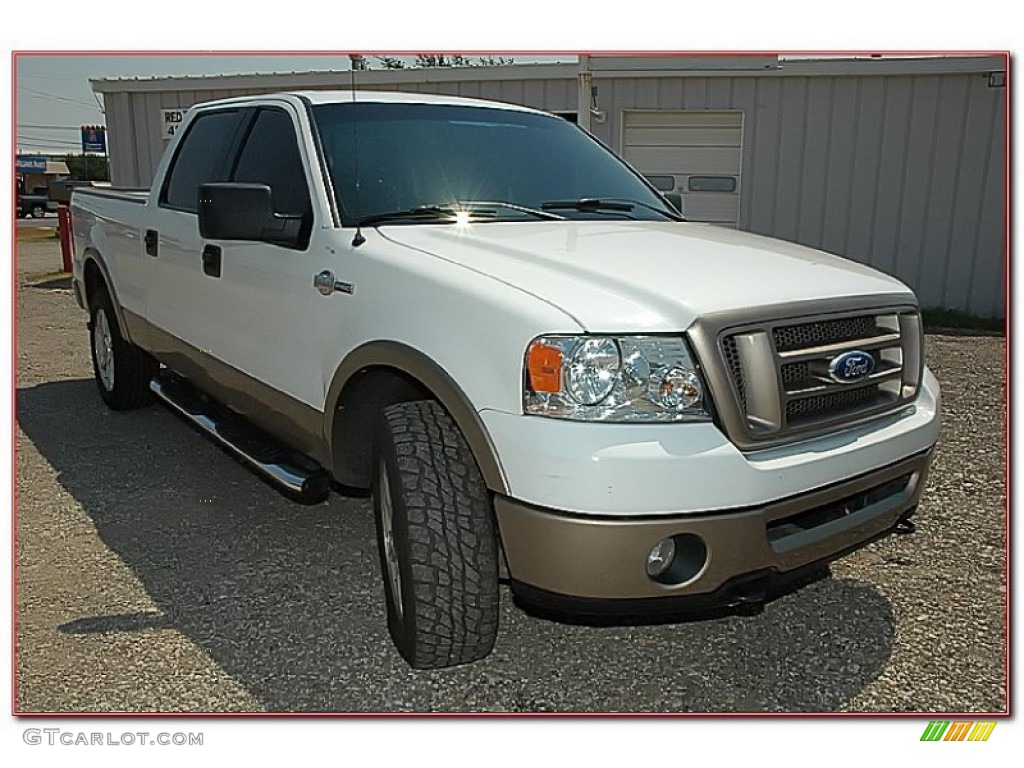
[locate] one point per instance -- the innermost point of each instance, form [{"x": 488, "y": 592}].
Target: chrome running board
[{"x": 298, "y": 476}]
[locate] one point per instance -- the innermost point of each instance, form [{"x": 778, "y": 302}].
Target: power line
[
  {"x": 32, "y": 93},
  {"x": 39, "y": 140},
  {"x": 53, "y": 95},
  {"x": 50, "y": 127},
  {"x": 37, "y": 75},
  {"x": 44, "y": 142}
]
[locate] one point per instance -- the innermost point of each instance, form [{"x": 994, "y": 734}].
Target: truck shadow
[{"x": 287, "y": 599}]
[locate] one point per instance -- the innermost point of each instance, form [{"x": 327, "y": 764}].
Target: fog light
[
  {"x": 677, "y": 560},
  {"x": 660, "y": 557}
]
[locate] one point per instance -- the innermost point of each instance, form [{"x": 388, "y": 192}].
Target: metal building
[{"x": 897, "y": 163}]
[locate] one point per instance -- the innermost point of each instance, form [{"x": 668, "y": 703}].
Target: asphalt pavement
[{"x": 157, "y": 574}]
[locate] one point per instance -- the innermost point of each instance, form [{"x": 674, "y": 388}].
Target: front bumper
[
  {"x": 598, "y": 563},
  {"x": 648, "y": 470}
]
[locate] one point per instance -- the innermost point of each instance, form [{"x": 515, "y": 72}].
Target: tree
[
  {"x": 423, "y": 60},
  {"x": 441, "y": 60},
  {"x": 456, "y": 60},
  {"x": 494, "y": 61},
  {"x": 98, "y": 167}
]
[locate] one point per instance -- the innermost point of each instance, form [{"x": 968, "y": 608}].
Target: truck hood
[{"x": 639, "y": 276}]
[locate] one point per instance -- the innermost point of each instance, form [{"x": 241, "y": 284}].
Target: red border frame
[{"x": 1007, "y": 362}]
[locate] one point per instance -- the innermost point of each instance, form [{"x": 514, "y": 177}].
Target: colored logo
[
  {"x": 958, "y": 730},
  {"x": 851, "y": 366}
]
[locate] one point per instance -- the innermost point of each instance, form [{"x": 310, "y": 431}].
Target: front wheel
[
  {"x": 435, "y": 533},
  {"x": 38, "y": 211}
]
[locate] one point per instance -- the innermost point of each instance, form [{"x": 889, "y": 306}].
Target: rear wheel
[
  {"x": 38, "y": 211},
  {"x": 436, "y": 537},
  {"x": 122, "y": 370}
]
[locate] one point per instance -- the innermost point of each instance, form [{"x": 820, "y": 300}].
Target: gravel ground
[{"x": 155, "y": 573}]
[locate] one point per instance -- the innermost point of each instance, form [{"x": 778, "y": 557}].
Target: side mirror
[
  {"x": 675, "y": 200},
  {"x": 237, "y": 211}
]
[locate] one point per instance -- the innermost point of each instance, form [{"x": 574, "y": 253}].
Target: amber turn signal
[{"x": 544, "y": 365}]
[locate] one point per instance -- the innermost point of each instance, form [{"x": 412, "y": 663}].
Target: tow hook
[
  {"x": 748, "y": 597},
  {"x": 905, "y": 527}
]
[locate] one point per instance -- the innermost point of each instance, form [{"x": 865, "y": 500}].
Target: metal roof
[
  {"x": 318, "y": 79},
  {"x": 600, "y": 66}
]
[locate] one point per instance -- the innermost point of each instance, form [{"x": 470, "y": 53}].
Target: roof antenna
[{"x": 358, "y": 239}]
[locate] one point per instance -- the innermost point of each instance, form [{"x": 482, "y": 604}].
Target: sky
[{"x": 55, "y": 98}]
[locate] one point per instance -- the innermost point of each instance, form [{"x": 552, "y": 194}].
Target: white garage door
[{"x": 694, "y": 152}]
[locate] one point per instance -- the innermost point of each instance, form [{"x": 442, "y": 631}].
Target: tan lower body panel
[
  {"x": 590, "y": 557},
  {"x": 284, "y": 417}
]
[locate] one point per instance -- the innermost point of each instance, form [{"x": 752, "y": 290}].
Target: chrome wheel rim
[
  {"x": 387, "y": 528},
  {"x": 103, "y": 350}
]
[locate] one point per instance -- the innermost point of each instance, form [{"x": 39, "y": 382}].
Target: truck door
[
  {"x": 262, "y": 321},
  {"x": 179, "y": 295},
  {"x": 238, "y": 312}
]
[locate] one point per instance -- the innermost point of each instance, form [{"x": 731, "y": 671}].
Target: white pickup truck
[{"x": 545, "y": 374}]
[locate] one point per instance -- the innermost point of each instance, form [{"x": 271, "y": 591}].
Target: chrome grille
[
  {"x": 775, "y": 373},
  {"x": 732, "y": 360},
  {"x": 809, "y": 407},
  {"x": 825, "y": 332},
  {"x": 794, "y": 372}
]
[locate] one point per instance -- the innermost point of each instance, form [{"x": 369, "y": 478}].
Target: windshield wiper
[
  {"x": 512, "y": 207},
  {"x": 419, "y": 213},
  {"x": 668, "y": 214},
  {"x": 587, "y": 204},
  {"x": 594, "y": 204},
  {"x": 474, "y": 208}
]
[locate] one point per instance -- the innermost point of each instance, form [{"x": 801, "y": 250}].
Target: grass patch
[
  {"x": 40, "y": 234},
  {"x": 955, "y": 319}
]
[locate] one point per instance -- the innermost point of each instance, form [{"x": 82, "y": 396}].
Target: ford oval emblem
[{"x": 851, "y": 366}]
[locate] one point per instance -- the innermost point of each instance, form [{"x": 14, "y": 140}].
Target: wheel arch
[
  {"x": 381, "y": 373},
  {"x": 94, "y": 274}
]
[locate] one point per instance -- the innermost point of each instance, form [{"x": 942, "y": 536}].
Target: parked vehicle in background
[
  {"x": 35, "y": 203},
  {"x": 60, "y": 190},
  {"x": 536, "y": 365}
]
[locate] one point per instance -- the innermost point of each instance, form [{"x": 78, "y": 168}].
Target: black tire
[
  {"x": 127, "y": 385},
  {"x": 38, "y": 211},
  {"x": 443, "y": 611}
]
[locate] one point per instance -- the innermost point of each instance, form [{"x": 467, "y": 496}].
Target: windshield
[{"x": 413, "y": 156}]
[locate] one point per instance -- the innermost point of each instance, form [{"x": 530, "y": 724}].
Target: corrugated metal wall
[
  {"x": 133, "y": 119},
  {"x": 905, "y": 173},
  {"x": 902, "y": 172}
]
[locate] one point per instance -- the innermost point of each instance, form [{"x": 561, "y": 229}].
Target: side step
[{"x": 296, "y": 475}]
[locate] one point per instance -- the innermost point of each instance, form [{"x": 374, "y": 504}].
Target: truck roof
[{"x": 392, "y": 97}]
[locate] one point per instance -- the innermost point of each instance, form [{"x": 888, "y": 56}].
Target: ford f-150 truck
[{"x": 546, "y": 376}]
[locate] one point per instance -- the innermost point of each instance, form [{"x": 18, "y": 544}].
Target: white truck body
[{"x": 455, "y": 306}]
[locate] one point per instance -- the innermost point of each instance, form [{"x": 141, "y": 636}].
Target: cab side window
[
  {"x": 271, "y": 156},
  {"x": 202, "y": 157}
]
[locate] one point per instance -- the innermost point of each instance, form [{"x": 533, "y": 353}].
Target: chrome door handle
[{"x": 326, "y": 284}]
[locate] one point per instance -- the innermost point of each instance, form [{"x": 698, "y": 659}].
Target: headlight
[{"x": 603, "y": 378}]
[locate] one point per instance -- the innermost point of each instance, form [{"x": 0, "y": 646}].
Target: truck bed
[{"x": 128, "y": 194}]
